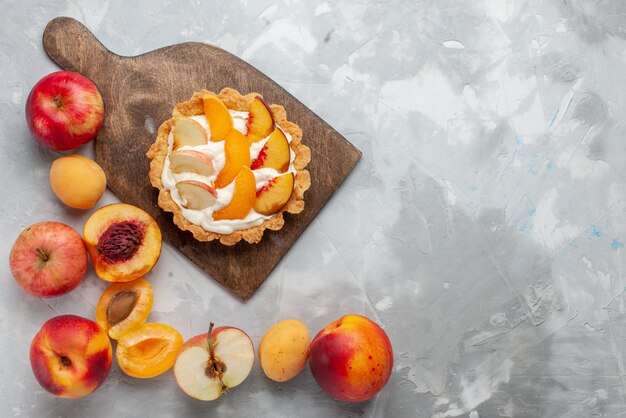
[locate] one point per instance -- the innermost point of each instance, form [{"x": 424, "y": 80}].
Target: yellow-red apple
[
  {"x": 70, "y": 356},
  {"x": 48, "y": 259},
  {"x": 64, "y": 110},
  {"x": 351, "y": 358}
]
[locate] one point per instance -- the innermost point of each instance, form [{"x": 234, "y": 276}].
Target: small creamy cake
[{"x": 228, "y": 166}]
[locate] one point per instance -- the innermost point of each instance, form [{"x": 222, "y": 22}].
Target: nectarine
[
  {"x": 70, "y": 356},
  {"x": 351, "y": 358}
]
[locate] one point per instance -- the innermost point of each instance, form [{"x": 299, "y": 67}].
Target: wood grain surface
[{"x": 139, "y": 94}]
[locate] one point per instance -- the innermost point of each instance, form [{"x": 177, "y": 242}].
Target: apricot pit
[{"x": 124, "y": 306}]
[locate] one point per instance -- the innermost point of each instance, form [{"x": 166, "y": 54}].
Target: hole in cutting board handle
[{"x": 73, "y": 47}]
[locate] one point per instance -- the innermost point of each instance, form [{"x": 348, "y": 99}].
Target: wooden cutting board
[{"x": 140, "y": 92}]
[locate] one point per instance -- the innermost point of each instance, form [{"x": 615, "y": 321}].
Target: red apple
[
  {"x": 208, "y": 364},
  {"x": 64, "y": 110},
  {"x": 351, "y": 358},
  {"x": 48, "y": 259},
  {"x": 70, "y": 356}
]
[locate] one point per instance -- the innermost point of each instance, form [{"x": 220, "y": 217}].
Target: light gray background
[{"x": 483, "y": 228}]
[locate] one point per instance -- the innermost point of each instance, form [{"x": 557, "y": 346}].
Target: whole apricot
[
  {"x": 284, "y": 350},
  {"x": 77, "y": 181}
]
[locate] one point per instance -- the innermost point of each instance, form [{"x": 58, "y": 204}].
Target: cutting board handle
[{"x": 71, "y": 45}]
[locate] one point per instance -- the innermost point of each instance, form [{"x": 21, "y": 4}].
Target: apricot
[
  {"x": 148, "y": 350},
  {"x": 351, "y": 358},
  {"x": 124, "y": 306},
  {"x": 243, "y": 197},
  {"x": 237, "y": 154},
  {"x": 284, "y": 350},
  {"x": 123, "y": 241},
  {"x": 77, "y": 181}
]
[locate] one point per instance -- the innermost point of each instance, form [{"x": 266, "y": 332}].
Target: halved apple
[
  {"x": 260, "y": 121},
  {"x": 274, "y": 154},
  {"x": 196, "y": 195},
  {"x": 191, "y": 161},
  {"x": 273, "y": 196},
  {"x": 208, "y": 364},
  {"x": 243, "y": 197},
  {"x": 237, "y": 153},
  {"x": 187, "y": 131},
  {"x": 218, "y": 116}
]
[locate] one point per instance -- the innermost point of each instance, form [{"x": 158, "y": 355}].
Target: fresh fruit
[
  {"x": 148, "y": 350},
  {"x": 78, "y": 181},
  {"x": 260, "y": 121},
  {"x": 218, "y": 117},
  {"x": 64, "y": 110},
  {"x": 196, "y": 195},
  {"x": 70, "y": 356},
  {"x": 208, "y": 364},
  {"x": 124, "y": 306},
  {"x": 48, "y": 259},
  {"x": 284, "y": 350},
  {"x": 243, "y": 197},
  {"x": 237, "y": 154},
  {"x": 123, "y": 241},
  {"x": 275, "y": 153},
  {"x": 187, "y": 131},
  {"x": 351, "y": 358},
  {"x": 274, "y": 194},
  {"x": 190, "y": 161}
]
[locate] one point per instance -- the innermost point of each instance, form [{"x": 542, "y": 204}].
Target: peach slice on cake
[
  {"x": 237, "y": 153},
  {"x": 190, "y": 161},
  {"x": 260, "y": 121},
  {"x": 273, "y": 195},
  {"x": 196, "y": 195},
  {"x": 243, "y": 197},
  {"x": 187, "y": 131},
  {"x": 274, "y": 154},
  {"x": 218, "y": 116}
]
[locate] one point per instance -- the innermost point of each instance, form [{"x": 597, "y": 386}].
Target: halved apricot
[
  {"x": 124, "y": 306},
  {"x": 148, "y": 350},
  {"x": 124, "y": 242}
]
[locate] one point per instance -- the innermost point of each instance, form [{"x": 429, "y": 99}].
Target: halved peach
[
  {"x": 148, "y": 350},
  {"x": 274, "y": 154},
  {"x": 187, "y": 131},
  {"x": 237, "y": 153},
  {"x": 196, "y": 195},
  {"x": 260, "y": 121},
  {"x": 124, "y": 306},
  {"x": 243, "y": 197},
  {"x": 273, "y": 195},
  {"x": 123, "y": 241},
  {"x": 191, "y": 161},
  {"x": 218, "y": 116}
]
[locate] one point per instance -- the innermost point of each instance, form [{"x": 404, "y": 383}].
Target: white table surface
[{"x": 484, "y": 227}]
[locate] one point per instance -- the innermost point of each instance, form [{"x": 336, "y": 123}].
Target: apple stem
[
  {"x": 214, "y": 368},
  {"x": 42, "y": 254},
  {"x": 66, "y": 361},
  {"x": 57, "y": 102}
]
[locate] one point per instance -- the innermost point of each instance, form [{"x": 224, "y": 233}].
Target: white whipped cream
[{"x": 215, "y": 150}]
